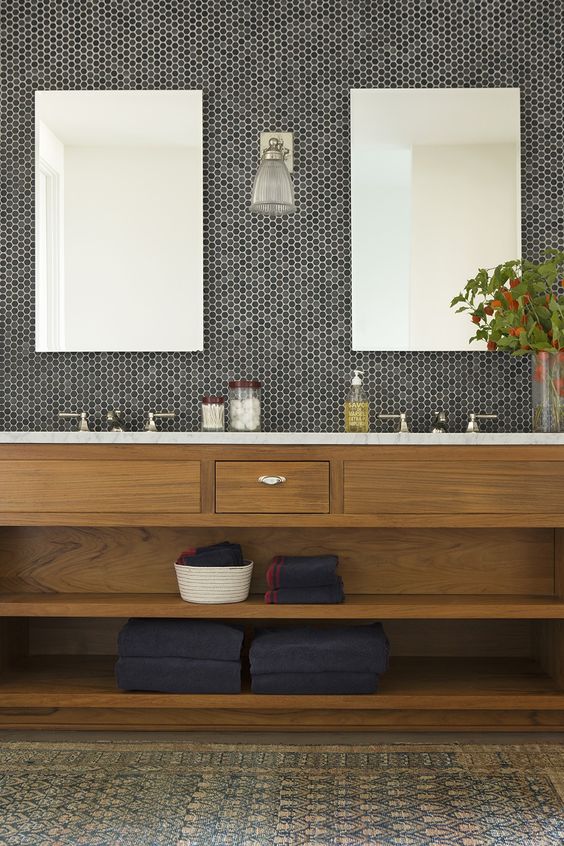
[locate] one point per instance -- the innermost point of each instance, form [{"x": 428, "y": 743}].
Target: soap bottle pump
[{"x": 356, "y": 406}]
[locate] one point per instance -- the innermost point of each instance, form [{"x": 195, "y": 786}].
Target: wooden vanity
[{"x": 457, "y": 549}]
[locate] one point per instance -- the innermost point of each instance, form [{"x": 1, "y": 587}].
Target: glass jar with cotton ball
[{"x": 244, "y": 405}]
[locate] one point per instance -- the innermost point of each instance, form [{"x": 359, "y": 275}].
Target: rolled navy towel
[
  {"x": 344, "y": 649},
  {"x": 178, "y": 638},
  {"x": 287, "y": 571},
  {"x": 178, "y": 675},
  {"x": 344, "y": 684},
  {"x": 223, "y": 554},
  {"x": 324, "y": 594}
]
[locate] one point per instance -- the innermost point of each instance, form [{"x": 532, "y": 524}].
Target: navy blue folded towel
[
  {"x": 321, "y": 595},
  {"x": 178, "y": 638},
  {"x": 338, "y": 649},
  {"x": 178, "y": 675},
  {"x": 287, "y": 571},
  {"x": 217, "y": 555},
  {"x": 310, "y": 683}
]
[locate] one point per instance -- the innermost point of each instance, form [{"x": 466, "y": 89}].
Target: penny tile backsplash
[{"x": 277, "y": 292}]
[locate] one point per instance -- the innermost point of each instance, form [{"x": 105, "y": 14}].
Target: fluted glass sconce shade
[{"x": 273, "y": 189}]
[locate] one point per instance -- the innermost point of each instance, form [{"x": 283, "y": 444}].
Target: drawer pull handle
[{"x": 271, "y": 480}]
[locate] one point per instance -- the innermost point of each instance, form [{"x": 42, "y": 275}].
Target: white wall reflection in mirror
[
  {"x": 118, "y": 220},
  {"x": 435, "y": 195}
]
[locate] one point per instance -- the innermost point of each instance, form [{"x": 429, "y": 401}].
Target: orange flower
[
  {"x": 496, "y": 304},
  {"x": 513, "y": 304}
]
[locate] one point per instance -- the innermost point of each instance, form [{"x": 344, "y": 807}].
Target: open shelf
[
  {"x": 411, "y": 683},
  {"x": 355, "y": 607}
]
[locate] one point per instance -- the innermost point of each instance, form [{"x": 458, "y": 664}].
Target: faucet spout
[
  {"x": 439, "y": 423},
  {"x": 115, "y": 420}
]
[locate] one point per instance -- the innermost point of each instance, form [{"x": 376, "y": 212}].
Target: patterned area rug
[{"x": 142, "y": 793}]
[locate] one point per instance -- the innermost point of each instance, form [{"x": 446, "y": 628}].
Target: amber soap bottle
[{"x": 356, "y": 406}]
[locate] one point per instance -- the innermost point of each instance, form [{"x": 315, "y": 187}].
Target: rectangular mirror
[
  {"x": 118, "y": 195},
  {"x": 435, "y": 180}
]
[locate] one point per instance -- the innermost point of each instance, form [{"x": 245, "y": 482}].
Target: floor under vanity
[{"x": 436, "y": 541}]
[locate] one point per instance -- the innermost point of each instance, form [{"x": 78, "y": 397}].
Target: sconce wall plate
[{"x": 288, "y": 140}]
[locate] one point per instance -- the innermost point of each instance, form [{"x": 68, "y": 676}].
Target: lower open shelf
[{"x": 411, "y": 683}]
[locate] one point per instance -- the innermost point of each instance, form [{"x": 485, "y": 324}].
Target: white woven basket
[{"x": 214, "y": 584}]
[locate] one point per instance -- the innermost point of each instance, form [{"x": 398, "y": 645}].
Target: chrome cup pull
[{"x": 271, "y": 480}]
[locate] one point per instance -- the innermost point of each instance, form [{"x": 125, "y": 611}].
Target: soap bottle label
[{"x": 356, "y": 416}]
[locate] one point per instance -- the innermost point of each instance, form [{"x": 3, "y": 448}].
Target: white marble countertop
[{"x": 281, "y": 438}]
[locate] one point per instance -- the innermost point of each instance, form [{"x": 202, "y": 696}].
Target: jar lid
[
  {"x": 245, "y": 383},
  {"x": 209, "y": 400}
]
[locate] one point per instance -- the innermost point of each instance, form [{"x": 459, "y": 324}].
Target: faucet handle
[
  {"x": 73, "y": 415},
  {"x": 473, "y": 424},
  {"x": 150, "y": 424},
  {"x": 402, "y": 417}
]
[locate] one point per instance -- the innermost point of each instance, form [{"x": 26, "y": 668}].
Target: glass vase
[{"x": 548, "y": 392}]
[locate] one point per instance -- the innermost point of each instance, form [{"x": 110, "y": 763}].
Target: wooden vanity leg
[{"x": 550, "y": 642}]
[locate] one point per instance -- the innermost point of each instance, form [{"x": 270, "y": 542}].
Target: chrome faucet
[
  {"x": 80, "y": 415},
  {"x": 115, "y": 420},
  {"x": 402, "y": 417},
  {"x": 151, "y": 424},
  {"x": 473, "y": 421},
  {"x": 439, "y": 423}
]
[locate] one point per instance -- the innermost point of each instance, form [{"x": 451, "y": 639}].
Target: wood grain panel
[
  {"x": 295, "y": 720},
  {"x": 463, "y": 486},
  {"x": 297, "y": 521},
  {"x": 410, "y": 683},
  {"x": 453, "y": 561},
  {"x": 357, "y": 606},
  {"x": 306, "y": 489},
  {"x": 127, "y": 486},
  {"x": 425, "y": 638},
  {"x": 436, "y": 451},
  {"x": 372, "y": 561},
  {"x": 550, "y": 638}
]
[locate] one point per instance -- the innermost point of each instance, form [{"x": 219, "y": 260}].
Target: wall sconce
[{"x": 273, "y": 189}]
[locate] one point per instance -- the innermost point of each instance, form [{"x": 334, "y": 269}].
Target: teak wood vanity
[{"x": 457, "y": 549}]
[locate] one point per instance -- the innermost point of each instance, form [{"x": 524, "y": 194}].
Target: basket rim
[{"x": 239, "y": 568}]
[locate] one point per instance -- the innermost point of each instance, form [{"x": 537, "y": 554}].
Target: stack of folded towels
[
  {"x": 179, "y": 656},
  {"x": 341, "y": 660},
  {"x": 217, "y": 555},
  {"x": 304, "y": 579}
]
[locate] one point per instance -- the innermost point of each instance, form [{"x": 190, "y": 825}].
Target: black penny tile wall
[{"x": 277, "y": 292}]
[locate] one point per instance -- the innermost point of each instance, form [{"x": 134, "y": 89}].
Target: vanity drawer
[
  {"x": 100, "y": 486},
  {"x": 462, "y": 486},
  {"x": 302, "y": 487}
]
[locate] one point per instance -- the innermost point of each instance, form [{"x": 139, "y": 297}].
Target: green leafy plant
[{"x": 518, "y": 306}]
